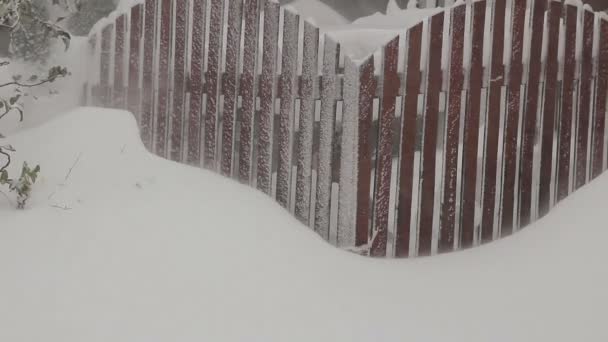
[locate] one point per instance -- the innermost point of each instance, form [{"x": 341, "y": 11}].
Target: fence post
[{"x": 134, "y": 88}]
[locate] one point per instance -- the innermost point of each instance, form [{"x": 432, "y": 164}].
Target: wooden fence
[{"x": 465, "y": 128}]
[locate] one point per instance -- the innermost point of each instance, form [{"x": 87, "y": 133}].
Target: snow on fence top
[{"x": 461, "y": 129}]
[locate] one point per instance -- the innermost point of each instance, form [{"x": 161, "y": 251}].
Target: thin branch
[
  {"x": 16, "y": 83},
  {"x": 8, "y": 159},
  {"x": 72, "y": 168}
]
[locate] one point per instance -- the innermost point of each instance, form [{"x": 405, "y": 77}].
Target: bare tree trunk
[{"x": 5, "y": 41}]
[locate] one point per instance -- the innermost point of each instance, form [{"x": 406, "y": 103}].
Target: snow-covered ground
[{"x": 119, "y": 245}]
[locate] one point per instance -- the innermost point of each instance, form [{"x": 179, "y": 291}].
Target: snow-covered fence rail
[{"x": 465, "y": 128}]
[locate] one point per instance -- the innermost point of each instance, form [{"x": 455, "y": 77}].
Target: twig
[
  {"x": 8, "y": 162},
  {"x": 67, "y": 176},
  {"x": 16, "y": 83},
  {"x": 64, "y": 207}
]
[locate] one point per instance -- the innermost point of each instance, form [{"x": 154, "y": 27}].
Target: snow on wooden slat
[
  {"x": 230, "y": 83},
  {"x": 118, "y": 86},
  {"x": 248, "y": 89},
  {"x": 147, "y": 117},
  {"x": 307, "y": 119},
  {"x": 600, "y": 104},
  {"x": 179, "y": 78},
  {"x": 105, "y": 62},
  {"x": 567, "y": 103},
  {"x": 550, "y": 109},
  {"x": 212, "y": 86},
  {"x": 471, "y": 126},
  {"x": 267, "y": 96},
  {"x": 135, "y": 36},
  {"x": 492, "y": 126},
  {"x": 390, "y": 90},
  {"x": 431, "y": 112},
  {"x": 287, "y": 93},
  {"x": 512, "y": 116},
  {"x": 584, "y": 100},
  {"x": 408, "y": 140},
  {"x": 196, "y": 82},
  {"x": 163, "y": 79},
  {"x": 329, "y": 83},
  {"x": 531, "y": 109},
  {"x": 367, "y": 84},
  {"x": 456, "y": 82}
]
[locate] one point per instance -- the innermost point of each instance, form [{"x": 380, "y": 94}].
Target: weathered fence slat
[
  {"x": 512, "y": 117},
  {"x": 289, "y": 70},
  {"x": 196, "y": 82},
  {"x": 584, "y": 100},
  {"x": 390, "y": 90},
  {"x": 492, "y": 125},
  {"x": 118, "y": 85},
  {"x": 162, "y": 109},
  {"x": 307, "y": 119},
  {"x": 248, "y": 89},
  {"x": 601, "y": 91},
  {"x": 531, "y": 108},
  {"x": 179, "y": 78},
  {"x": 147, "y": 117},
  {"x": 267, "y": 97},
  {"x": 429, "y": 148},
  {"x": 331, "y": 53},
  {"x": 212, "y": 86},
  {"x": 550, "y": 110},
  {"x": 471, "y": 127},
  {"x": 408, "y": 141},
  {"x": 135, "y": 36},
  {"x": 104, "y": 66},
  {"x": 567, "y": 103},
  {"x": 230, "y": 83},
  {"x": 456, "y": 83}
]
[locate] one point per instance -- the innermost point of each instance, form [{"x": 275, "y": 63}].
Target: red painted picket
[
  {"x": 567, "y": 103},
  {"x": 191, "y": 106},
  {"x": 492, "y": 125},
  {"x": 456, "y": 83},
  {"x": 471, "y": 128},
  {"x": 408, "y": 141},
  {"x": 429, "y": 147}
]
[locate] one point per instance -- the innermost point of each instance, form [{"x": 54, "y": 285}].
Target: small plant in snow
[{"x": 22, "y": 186}]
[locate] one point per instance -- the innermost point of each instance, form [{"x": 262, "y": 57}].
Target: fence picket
[
  {"x": 390, "y": 90},
  {"x": 230, "y": 84},
  {"x": 567, "y": 102},
  {"x": 118, "y": 84},
  {"x": 176, "y": 119},
  {"x": 162, "y": 106},
  {"x": 492, "y": 124},
  {"x": 431, "y": 113},
  {"x": 248, "y": 89},
  {"x": 135, "y": 36},
  {"x": 512, "y": 117},
  {"x": 147, "y": 117},
  {"x": 531, "y": 108},
  {"x": 456, "y": 83},
  {"x": 212, "y": 85},
  {"x": 267, "y": 96},
  {"x": 584, "y": 100},
  {"x": 104, "y": 65},
  {"x": 471, "y": 126},
  {"x": 600, "y": 104},
  {"x": 549, "y": 113},
  {"x": 287, "y": 90},
  {"x": 329, "y": 83},
  {"x": 307, "y": 119},
  {"x": 196, "y": 82},
  {"x": 408, "y": 141}
]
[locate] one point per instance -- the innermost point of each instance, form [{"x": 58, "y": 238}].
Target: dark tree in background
[{"x": 90, "y": 12}]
